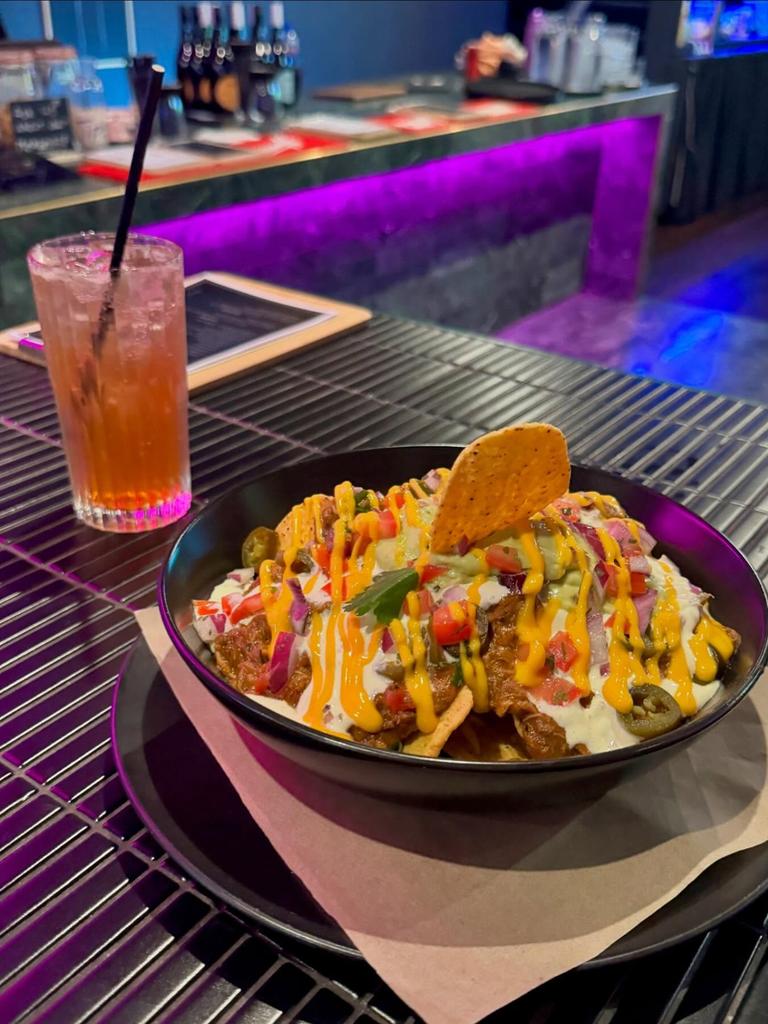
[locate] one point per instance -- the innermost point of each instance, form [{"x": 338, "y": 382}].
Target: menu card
[
  {"x": 40, "y": 126},
  {"x": 345, "y": 126},
  {"x": 461, "y": 910}
]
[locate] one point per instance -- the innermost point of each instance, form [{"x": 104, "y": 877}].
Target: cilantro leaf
[{"x": 385, "y": 595}]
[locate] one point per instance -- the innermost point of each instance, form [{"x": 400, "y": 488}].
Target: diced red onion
[
  {"x": 589, "y": 533},
  {"x": 299, "y": 608},
  {"x": 432, "y": 480},
  {"x": 387, "y": 643},
  {"x": 600, "y": 579},
  {"x": 619, "y": 530},
  {"x": 456, "y": 593},
  {"x": 462, "y": 546},
  {"x": 639, "y": 563},
  {"x": 605, "y": 669},
  {"x": 647, "y": 540},
  {"x": 513, "y": 581},
  {"x": 218, "y": 621},
  {"x": 283, "y": 661},
  {"x": 629, "y": 546},
  {"x": 598, "y": 645},
  {"x": 241, "y": 575},
  {"x": 644, "y": 604}
]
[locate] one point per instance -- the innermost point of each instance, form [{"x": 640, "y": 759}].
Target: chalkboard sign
[{"x": 41, "y": 126}]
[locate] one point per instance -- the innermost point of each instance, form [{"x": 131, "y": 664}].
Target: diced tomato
[
  {"x": 637, "y": 583},
  {"x": 322, "y": 556},
  {"x": 397, "y": 699},
  {"x": 362, "y": 540},
  {"x": 609, "y": 624},
  {"x": 328, "y": 588},
  {"x": 431, "y": 572},
  {"x": 426, "y": 604},
  {"x": 387, "y": 525},
  {"x": 611, "y": 588},
  {"x": 230, "y": 601},
  {"x": 563, "y": 650},
  {"x": 557, "y": 691},
  {"x": 449, "y": 630},
  {"x": 205, "y": 608},
  {"x": 251, "y": 605},
  {"x": 567, "y": 509},
  {"x": 502, "y": 558}
]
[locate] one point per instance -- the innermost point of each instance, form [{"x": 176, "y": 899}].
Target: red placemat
[{"x": 263, "y": 149}]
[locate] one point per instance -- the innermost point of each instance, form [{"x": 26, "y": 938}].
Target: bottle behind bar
[
  {"x": 226, "y": 88},
  {"x": 184, "y": 56},
  {"x": 236, "y": 21},
  {"x": 255, "y": 26},
  {"x": 276, "y": 30},
  {"x": 284, "y": 56},
  {"x": 201, "y": 23}
]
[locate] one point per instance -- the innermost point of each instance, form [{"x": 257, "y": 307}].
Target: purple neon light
[{"x": 385, "y": 227}]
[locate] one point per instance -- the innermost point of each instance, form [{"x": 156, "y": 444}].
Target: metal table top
[{"x": 97, "y": 924}]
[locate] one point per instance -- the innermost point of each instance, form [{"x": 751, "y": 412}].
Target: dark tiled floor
[{"x": 703, "y": 321}]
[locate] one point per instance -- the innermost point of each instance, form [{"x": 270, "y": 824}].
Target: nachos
[{"x": 483, "y": 612}]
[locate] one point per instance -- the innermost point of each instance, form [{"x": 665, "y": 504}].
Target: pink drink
[{"x": 120, "y": 382}]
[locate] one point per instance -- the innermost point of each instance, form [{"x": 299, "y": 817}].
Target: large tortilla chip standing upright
[{"x": 498, "y": 480}]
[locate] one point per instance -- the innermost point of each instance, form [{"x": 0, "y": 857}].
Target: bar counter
[
  {"x": 472, "y": 226},
  {"x": 99, "y": 923}
]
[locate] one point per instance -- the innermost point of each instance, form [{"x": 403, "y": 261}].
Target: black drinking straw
[{"x": 151, "y": 98}]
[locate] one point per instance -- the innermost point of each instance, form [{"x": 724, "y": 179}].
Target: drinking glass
[{"x": 116, "y": 351}]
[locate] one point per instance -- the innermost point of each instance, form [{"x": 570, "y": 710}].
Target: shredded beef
[
  {"x": 443, "y": 689},
  {"x": 501, "y": 656},
  {"x": 390, "y": 739},
  {"x": 299, "y": 680},
  {"x": 328, "y": 512},
  {"x": 403, "y": 721},
  {"x": 541, "y": 736},
  {"x": 242, "y": 651},
  {"x": 503, "y": 619},
  {"x": 399, "y": 725}
]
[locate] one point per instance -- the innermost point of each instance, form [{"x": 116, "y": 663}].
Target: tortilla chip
[
  {"x": 479, "y": 739},
  {"x": 500, "y": 479},
  {"x": 430, "y": 744},
  {"x": 308, "y": 535},
  {"x": 284, "y": 530}
]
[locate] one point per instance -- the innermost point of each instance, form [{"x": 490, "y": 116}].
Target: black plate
[
  {"x": 189, "y": 811},
  {"x": 209, "y": 547}
]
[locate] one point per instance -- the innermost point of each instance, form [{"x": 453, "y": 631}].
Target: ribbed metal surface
[{"x": 96, "y": 923}]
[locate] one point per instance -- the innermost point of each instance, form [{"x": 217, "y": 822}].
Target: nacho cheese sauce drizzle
[{"x": 655, "y": 626}]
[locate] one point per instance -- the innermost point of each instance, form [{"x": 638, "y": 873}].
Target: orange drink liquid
[{"x": 119, "y": 380}]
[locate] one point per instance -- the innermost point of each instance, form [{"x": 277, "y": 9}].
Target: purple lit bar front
[{"x": 356, "y": 238}]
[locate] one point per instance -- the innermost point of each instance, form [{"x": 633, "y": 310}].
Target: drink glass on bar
[{"x": 116, "y": 351}]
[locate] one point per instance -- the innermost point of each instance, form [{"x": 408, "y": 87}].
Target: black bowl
[{"x": 209, "y": 547}]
